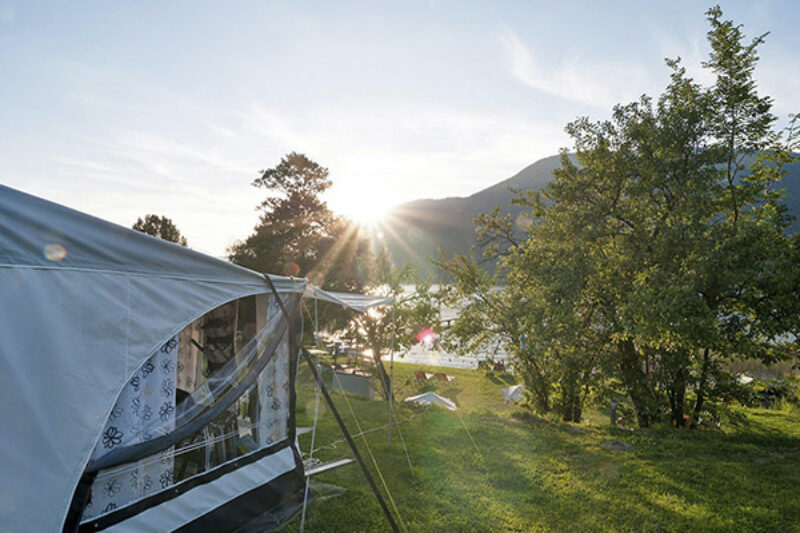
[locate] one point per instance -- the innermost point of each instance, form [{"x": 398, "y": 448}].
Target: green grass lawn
[{"x": 526, "y": 473}]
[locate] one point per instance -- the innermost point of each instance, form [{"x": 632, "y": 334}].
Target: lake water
[
  {"x": 422, "y": 355},
  {"x": 419, "y": 355}
]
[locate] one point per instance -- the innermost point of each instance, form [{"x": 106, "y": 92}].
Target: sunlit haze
[
  {"x": 124, "y": 108},
  {"x": 367, "y": 208}
]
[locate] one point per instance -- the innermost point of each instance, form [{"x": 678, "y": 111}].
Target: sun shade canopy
[
  {"x": 431, "y": 398},
  {"x": 357, "y": 302},
  {"x": 513, "y": 393},
  {"x": 84, "y": 304}
]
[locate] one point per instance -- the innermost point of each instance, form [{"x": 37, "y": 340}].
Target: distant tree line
[{"x": 161, "y": 227}]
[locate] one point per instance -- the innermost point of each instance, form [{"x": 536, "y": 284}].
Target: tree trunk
[
  {"x": 537, "y": 383},
  {"x": 570, "y": 403},
  {"x": 540, "y": 387},
  {"x": 576, "y": 409},
  {"x": 701, "y": 387},
  {"x": 541, "y": 401},
  {"x": 383, "y": 376},
  {"x": 636, "y": 382},
  {"x": 677, "y": 397}
]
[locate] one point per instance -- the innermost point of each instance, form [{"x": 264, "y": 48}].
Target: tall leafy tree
[
  {"x": 296, "y": 228},
  {"x": 298, "y": 235},
  {"x": 661, "y": 249},
  {"x": 161, "y": 227}
]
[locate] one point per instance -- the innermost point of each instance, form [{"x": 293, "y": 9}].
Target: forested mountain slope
[{"x": 416, "y": 230}]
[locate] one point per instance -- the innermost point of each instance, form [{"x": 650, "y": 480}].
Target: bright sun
[
  {"x": 367, "y": 214},
  {"x": 368, "y": 210}
]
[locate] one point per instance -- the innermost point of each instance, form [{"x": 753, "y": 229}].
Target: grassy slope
[{"x": 532, "y": 474}]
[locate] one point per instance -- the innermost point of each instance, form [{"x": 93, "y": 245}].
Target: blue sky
[{"x": 125, "y": 108}]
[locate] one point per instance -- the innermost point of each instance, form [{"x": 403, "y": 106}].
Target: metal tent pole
[
  {"x": 349, "y": 439},
  {"x": 391, "y": 373},
  {"x": 310, "y": 458},
  {"x": 336, "y": 415},
  {"x": 316, "y": 324}
]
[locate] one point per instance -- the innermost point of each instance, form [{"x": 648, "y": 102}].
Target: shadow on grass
[
  {"x": 524, "y": 473},
  {"x": 450, "y": 391},
  {"x": 534, "y": 473},
  {"x": 501, "y": 379},
  {"x": 710, "y": 480},
  {"x": 426, "y": 387}
]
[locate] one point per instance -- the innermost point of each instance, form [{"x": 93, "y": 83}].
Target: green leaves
[
  {"x": 296, "y": 229},
  {"x": 662, "y": 251},
  {"x": 295, "y": 172}
]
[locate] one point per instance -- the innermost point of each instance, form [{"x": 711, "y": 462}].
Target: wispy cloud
[
  {"x": 157, "y": 147},
  {"x": 690, "y": 46},
  {"x": 409, "y": 150},
  {"x": 84, "y": 164},
  {"x": 599, "y": 84},
  {"x": 194, "y": 161},
  {"x": 271, "y": 125}
]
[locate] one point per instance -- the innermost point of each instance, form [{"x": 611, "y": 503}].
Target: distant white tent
[
  {"x": 513, "y": 393},
  {"x": 431, "y": 398},
  {"x": 744, "y": 379}
]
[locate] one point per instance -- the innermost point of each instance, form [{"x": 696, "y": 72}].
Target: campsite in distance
[{"x": 410, "y": 267}]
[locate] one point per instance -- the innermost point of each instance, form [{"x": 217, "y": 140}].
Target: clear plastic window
[{"x": 209, "y": 361}]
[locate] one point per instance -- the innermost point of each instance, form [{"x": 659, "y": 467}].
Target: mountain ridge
[{"x": 415, "y": 231}]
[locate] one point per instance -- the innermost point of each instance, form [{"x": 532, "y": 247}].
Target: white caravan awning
[
  {"x": 83, "y": 304},
  {"x": 357, "y": 302}
]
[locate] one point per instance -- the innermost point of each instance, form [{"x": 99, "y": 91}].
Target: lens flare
[
  {"x": 55, "y": 252},
  {"x": 291, "y": 269},
  {"x": 523, "y": 221},
  {"x": 426, "y": 336}
]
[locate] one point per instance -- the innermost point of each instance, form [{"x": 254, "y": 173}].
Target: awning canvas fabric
[
  {"x": 84, "y": 303},
  {"x": 431, "y": 398},
  {"x": 357, "y": 302}
]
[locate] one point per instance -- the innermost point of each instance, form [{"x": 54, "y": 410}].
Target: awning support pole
[
  {"x": 310, "y": 457},
  {"x": 349, "y": 439},
  {"x": 316, "y": 325},
  {"x": 335, "y": 412},
  {"x": 391, "y": 374}
]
